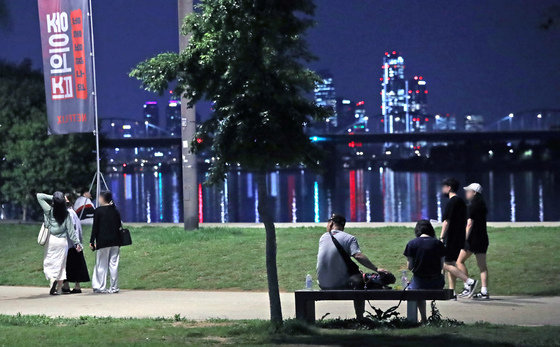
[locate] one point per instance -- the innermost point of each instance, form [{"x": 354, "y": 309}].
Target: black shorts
[
  {"x": 476, "y": 247},
  {"x": 452, "y": 253}
]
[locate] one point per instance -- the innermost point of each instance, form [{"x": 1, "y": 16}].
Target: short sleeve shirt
[
  {"x": 426, "y": 254},
  {"x": 331, "y": 270},
  {"x": 455, "y": 214}
]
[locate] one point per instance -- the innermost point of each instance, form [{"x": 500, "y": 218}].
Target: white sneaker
[
  {"x": 100, "y": 291},
  {"x": 114, "y": 291}
]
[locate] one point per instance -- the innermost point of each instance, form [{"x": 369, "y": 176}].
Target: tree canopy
[
  {"x": 247, "y": 57},
  {"x": 32, "y": 161}
]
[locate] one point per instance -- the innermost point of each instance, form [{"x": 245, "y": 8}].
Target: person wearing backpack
[
  {"x": 59, "y": 224},
  {"x": 333, "y": 266}
]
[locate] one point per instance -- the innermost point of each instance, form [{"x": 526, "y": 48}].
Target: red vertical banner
[
  {"x": 79, "y": 55},
  {"x": 67, "y": 65}
]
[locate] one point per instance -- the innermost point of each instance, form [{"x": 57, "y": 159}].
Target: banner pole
[{"x": 97, "y": 156}]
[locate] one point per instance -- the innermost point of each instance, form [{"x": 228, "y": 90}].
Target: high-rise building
[
  {"x": 393, "y": 93},
  {"x": 360, "y": 124},
  {"x": 417, "y": 105},
  {"x": 173, "y": 117},
  {"x": 345, "y": 113},
  {"x": 325, "y": 95},
  {"x": 151, "y": 118}
]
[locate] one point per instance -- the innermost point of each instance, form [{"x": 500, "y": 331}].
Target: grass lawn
[
  {"x": 521, "y": 260},
  {"x": 86, "y": 331}
]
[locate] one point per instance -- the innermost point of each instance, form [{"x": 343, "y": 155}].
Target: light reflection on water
[{"x": 360, "y": 194}]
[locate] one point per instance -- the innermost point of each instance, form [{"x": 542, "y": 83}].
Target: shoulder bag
[
  {"x": 43, "y": 233},
  {"x": 353, "y": 269}
]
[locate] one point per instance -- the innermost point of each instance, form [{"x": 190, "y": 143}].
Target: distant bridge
[{"x": 449, "y": 137}]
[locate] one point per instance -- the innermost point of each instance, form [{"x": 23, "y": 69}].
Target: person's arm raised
[{"x": 42, "y": 198}]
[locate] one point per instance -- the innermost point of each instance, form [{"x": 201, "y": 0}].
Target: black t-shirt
[
  {"x": 426, "y": 254},
  {"x": 477, "y": 212},
  {"x": 456, "y": 216}
]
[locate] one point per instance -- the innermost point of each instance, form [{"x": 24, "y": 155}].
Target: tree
[
  {"x": 248, "y": 57},
  {"x": 32, "y": 161}
]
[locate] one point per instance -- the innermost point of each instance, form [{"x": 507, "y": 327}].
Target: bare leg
[
  {"x": 422, "y": 309},
  {"x": 77, "y": 285},
  {"x": 452, "y": 278},
  {"x": 360, "y": 308},
  {"x": 66, "y": 285},
  {"x": 463, "y": 256},
  {"x": 455, "y": 272},
  {"x": 481, "y": 261}
]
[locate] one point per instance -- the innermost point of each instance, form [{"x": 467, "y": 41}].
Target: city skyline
[{"x": 491, "y": 59}]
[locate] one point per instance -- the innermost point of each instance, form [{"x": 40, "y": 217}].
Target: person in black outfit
[
  {"x": 106, "y": 241},
  {"x": 453, "y": 226},
  {"x": 476, "y": 237}
]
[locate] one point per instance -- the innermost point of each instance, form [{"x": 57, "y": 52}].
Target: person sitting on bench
[
  {"x": 425, "y": 255},
  {"x": 333, "y": 272}
]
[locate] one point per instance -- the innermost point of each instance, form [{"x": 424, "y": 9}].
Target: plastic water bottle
[
  {"x": 308, "y": 282},
  {"x": 404, "y": 279}
]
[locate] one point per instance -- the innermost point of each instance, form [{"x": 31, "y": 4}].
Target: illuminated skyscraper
[
  {"x": 151, "y": 118},
  {"x": 325, "y": 95},
  {"x": 393, "y": 93},
  {"x": 173, "y": 117},
  {"x": 417, "y": 105}
]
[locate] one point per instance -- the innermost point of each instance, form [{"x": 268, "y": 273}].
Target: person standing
[
  {"x": 453, "y": 226},
  {"x": 76, "y": 267},
  {"x": 105, "y": 240},
  {"x": 476, "y": 237},
  {"x": 84, "y": 207},
  {"x": 59, "y": 223},
  {"x": 332, "y": 271}
]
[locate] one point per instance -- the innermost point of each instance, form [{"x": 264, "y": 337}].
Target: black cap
[{"x": 338, "y": 219}]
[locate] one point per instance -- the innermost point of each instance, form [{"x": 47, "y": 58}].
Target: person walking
[
  {"x": 105, "y": 241},
  {"x": 476, "y": 237},
  {"x": 76, "y": 267},
  {"x": 453, "y": 227},
  {"x": 59, "y": 223}
]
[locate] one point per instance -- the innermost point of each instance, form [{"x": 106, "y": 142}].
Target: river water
[{"x": 364, "y": 195}]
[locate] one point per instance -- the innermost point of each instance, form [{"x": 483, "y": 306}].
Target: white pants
[
  {"x": 54, "y": 261},
  {"x": 106, "y": 259}
]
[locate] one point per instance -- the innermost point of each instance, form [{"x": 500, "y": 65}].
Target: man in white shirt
[{"x": 332, "y": 272}]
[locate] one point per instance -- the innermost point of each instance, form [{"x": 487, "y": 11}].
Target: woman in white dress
[{"x": 59, "y": 223}]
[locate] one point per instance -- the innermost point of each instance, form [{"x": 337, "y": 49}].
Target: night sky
[{"x": 484, "y": 57}]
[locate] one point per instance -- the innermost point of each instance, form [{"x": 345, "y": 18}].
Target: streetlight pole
[{"x": 188, "y": 127}]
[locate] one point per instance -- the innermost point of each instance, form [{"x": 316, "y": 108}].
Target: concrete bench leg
[
  {"x": 305, "y": 310},
  {"x": 412, "y": 311}
]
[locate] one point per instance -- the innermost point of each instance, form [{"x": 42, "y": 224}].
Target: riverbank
[{"x": 232, "y": 258}]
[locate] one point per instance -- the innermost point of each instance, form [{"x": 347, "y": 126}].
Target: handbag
[
  {"x": 126, "y": 240},
  {"x": 43, "y": 235}
]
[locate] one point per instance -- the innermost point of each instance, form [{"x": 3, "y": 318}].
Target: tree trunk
[
  {"x": 24, "y": 213},
  {"x": 271, "y": 269}
]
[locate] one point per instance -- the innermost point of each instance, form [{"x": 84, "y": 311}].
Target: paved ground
[{"x": 252, "y": 305}]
